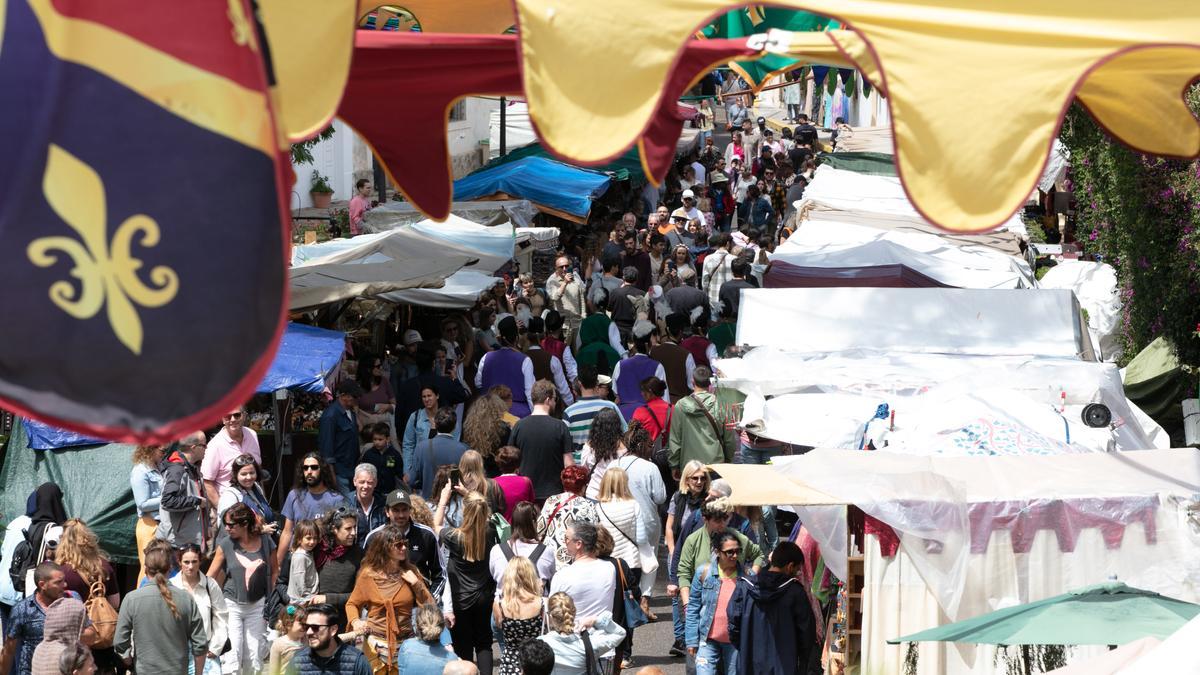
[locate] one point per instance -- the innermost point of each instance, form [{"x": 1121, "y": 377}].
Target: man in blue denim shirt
[{"x": 23, "y": 632}]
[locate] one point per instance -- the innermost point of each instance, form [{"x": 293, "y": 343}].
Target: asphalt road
[{"x": 651, "y": 642}]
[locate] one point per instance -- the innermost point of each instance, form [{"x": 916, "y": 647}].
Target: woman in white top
[
  {"x": 570, "y": 653},
  {"x": 605, "y": 448},
  {"x": 622, "y": 517},
  {"x": 210, "y": 600}
]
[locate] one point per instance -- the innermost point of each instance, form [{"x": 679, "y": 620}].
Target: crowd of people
[{"x": 506, "y": 482}]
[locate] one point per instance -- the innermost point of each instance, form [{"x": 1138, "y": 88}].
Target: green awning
[
  {"x": 870, "y": 163},
  {"x": 747, "y": 21}
]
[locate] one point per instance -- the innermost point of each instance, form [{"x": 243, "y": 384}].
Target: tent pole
[{"x": 503, "y": 125}]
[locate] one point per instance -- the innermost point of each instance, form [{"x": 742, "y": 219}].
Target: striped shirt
[{"x": 578, "y": 417}]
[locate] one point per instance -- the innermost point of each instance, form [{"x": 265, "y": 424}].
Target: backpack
[
  {"x": 102, "y": 614},
  {"x": 659, "y": 451},
  {"x": 533, "y": 557},
  {"x": 20, "y": 571},
  {"x": 501, "y": 526}
]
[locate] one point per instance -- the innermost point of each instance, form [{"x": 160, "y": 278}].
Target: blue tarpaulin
[
  {"x": 559, "y": 187},
  {"x": 306, "y": 356},
  {"x": 45, "y": 437}
]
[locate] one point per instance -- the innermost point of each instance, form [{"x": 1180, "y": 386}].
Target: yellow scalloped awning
[{"x": 977, "y": 88}]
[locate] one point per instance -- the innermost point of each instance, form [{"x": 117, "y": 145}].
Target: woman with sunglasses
[
  {"x": 244, "y": 565},
  {"x": 683, "y": 518},
  {"x": 707, "y": 629},
  {"x": 245, "y": 489},
  {"x": 387, "y": 590}
]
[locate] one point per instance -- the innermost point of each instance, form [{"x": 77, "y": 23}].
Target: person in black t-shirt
[
  {"x": 387, "y": 460},
  {"x": 545, "y": 443},
  {"x": 731, "y": 291}
]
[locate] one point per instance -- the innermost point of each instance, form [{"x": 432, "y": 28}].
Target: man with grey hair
[
  {"x": 589, "y": 581},
  {"x": 371, "y": 511},
  {"x": 183, "y": 506}
]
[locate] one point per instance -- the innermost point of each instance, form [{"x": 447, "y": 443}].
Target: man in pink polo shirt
[{"x": 232, "y": 440}]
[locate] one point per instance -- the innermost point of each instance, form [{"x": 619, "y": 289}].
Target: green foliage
[
  {"x": 302, "y": 151},
  {"x": 1141, "y": 214},
  {"x": 319, "y": 183}
]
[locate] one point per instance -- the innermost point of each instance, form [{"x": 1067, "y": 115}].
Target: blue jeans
[
  {"x": 749, "y": 455},
  {"x": 678, "y": 616},
  {"x": 716, "y": 658}
]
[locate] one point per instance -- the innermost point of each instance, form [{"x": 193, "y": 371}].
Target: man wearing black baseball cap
[{"x": 422, "y": 543}]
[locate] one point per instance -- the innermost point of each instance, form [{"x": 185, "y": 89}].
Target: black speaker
[{"x": 1097, "y": 415}]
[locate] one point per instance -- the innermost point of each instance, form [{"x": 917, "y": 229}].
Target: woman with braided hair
[
  {"x": 567, "y": 639},
  {"x": 159, "y": 628}
]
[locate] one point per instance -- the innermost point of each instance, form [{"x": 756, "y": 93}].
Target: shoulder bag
[
  {"x": 634, "y": 616},
  {"x": 591, "y": 664},
  {"x": 715, "y": 427}
]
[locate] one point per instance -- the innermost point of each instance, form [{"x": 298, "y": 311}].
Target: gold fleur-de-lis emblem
[{"x": 105, "y": 272}]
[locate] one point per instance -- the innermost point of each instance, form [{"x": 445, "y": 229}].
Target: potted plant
[{"x": 320, "y": 191}]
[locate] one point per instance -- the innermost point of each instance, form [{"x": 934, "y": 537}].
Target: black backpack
[{"x": 22, "y": 562}]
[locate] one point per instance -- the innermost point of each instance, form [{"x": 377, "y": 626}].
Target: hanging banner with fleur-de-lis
[{"x": 142, "y": 230}]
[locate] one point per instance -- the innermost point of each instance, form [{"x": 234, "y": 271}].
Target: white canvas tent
[
  {"x": 914, "y": 320},
  {"x": 981, "y": 533},
  {"x": 835, "y": 245},
  {"x": 317, "y": 284},
  {"x": 880, "y": 202}
]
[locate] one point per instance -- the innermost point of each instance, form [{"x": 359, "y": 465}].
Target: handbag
[{"x": 634, "y": 616}]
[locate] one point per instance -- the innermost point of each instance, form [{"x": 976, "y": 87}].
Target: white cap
[
  {"x": 411, "y": 337},
  {"x": 688, "y": 194}
]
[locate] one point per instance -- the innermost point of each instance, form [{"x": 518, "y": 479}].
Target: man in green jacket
[
  {"x": 697, "y": 548},
  {"x": 700, "y": 428}
]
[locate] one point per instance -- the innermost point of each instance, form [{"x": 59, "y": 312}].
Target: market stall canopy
[
  {"x": 1155, "y": 380},
  {"x": 914, "y": 321},
  {"x": 306, "y": 358},
  {"x": 820, "y": 243},
  {"x": 1104, "y": 614},
  {"x": 555, "y": 188},
  {"x": 389, "y": 216},
  {"x": 371, "y": 264},
  {"x": 879, "y": 201},
  {"x": 747, "y": 21},
  {"x": 461, "y": 290},
  {"x": 750, "y": 489},
  {"x": 489, "y": 246}
]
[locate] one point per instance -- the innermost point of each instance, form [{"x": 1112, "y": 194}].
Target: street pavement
[{"x": 651, "y": 642}]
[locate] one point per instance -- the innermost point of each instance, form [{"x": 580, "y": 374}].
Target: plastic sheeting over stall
[
  {"x": 556, "y": 188},
  {"x": 1095, "y": 285}
]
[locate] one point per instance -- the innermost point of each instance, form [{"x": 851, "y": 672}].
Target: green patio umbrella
[{"x": 1104, "y": 614}]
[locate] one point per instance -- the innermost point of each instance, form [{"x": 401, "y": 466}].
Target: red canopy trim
[{"x": 402, "y": 85}]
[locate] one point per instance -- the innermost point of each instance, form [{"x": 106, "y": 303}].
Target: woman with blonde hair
[
  {"x": 517, "y": 613},
  {"x": 471, "y": 585},
  {"x": 470, "y": 465},
  {"x": 146, "y": 482},
  {"x": 683, "y": 518},
  {"x": 621, "y": 515},
  {"x": 424, "y": 653},
  {"x": 485, "y": 430},
  {"x": 388, "y": 587},
  {"x": 86, "y": 571},
  {"x": 569, "y": 641}
]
